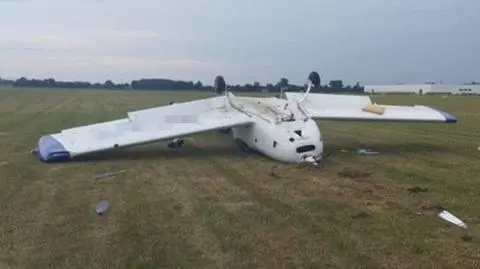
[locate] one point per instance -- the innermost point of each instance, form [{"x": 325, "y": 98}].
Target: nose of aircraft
[{"x": 311, "y": 153}]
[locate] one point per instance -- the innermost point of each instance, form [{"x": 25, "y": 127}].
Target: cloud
[
  {"x": 136, "y": 33},
  {"x": 40, "y": 37},
  {"x": 53, "y": 42},
  {"x": 32, "y": 64},
  {"x": 370, "y": 42},
  {"x": 132, "y": 63},
  {"x": 51, "y": 37},
  {"x": 54, "y": 50}
]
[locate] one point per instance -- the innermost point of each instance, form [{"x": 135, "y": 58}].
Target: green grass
[{"x": 208, "y": 206}]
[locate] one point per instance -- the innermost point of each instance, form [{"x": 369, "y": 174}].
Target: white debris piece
[
  {"x": 452, "y": 219},
  {"x": 108, "y": 174},
  {"x": 367, "y": 152},
  {"x": 311, "y": 160},
  {"x": 102, "y": 207}
]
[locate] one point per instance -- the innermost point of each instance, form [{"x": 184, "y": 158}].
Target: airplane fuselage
[{"x": 289, "y": 141}]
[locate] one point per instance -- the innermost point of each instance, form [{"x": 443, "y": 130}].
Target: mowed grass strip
[{"x": 210, "y": 206}]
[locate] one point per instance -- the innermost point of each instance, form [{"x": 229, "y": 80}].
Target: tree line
[{"x": 157, "y": 84}]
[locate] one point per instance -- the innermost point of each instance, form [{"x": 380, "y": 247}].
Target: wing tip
[
  {"x": 51, "y": 150},
  {"x": 449, "y": 118}
]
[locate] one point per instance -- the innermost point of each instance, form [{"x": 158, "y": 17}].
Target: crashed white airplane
[{"x": 283, "y": 129}]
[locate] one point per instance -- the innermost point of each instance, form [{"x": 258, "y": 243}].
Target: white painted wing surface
[
  {"x": 351, "y": 107},
  {"x": 142, "y": 126}
]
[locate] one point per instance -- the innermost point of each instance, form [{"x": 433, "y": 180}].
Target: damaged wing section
[
  {"x": 360, "y": 108},
  {"x": 141, "y": 127}
]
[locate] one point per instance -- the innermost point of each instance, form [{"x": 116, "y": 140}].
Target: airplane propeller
[
  {"x": 220, "y": 86},
  {"x": 314, "y": 77},
  {"x": 313, "y": 82}
]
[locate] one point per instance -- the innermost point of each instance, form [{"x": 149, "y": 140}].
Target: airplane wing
[
  {"x": 360, "y": 108},
  {"x": 140, "y": 127}
]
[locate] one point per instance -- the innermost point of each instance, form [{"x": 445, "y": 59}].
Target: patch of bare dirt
[{"x": 354, "y": 173}]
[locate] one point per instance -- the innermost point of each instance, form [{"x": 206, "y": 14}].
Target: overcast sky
[{"x": 370, "y": 41}]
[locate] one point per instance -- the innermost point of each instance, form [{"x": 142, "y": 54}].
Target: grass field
[{"x": 209, "y": 206}]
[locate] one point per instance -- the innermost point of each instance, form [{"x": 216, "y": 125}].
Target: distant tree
[
  {"x": 109, "y": 84},
  {"x": 357, "y": 88},
  {"x": 336, "y": 85},
  {"x": 270, "y": 87},
  {"x": 169, "y": 84},
  {"x": 248, "y": 87},
  {"x": 198, "y": 85},
  {"x": 283, "y": 82}
]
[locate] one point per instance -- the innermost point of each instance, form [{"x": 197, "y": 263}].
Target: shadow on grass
[
  {"x": 188, "y": 152},
  {"x": 191, "y": 152}
]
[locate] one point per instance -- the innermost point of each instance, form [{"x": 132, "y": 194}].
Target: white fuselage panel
[{"x": 288, "y": 142}]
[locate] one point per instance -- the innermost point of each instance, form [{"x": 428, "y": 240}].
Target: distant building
[{"x": 427, "y": 88}]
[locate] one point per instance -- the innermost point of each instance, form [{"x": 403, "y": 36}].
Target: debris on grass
[
  {"x": 351, "y": 173},
  {"x": 313, "y": 160},
  {"x": 176, "y": 143},
  {"x": 452, "y": 219},
  {"x": 417, "y": 189},
  {"x": 367, "y": 152},
  {"x": 35, "y": 152},
  {"x": 102, "y": 207},
  {"x": 449, "y": 217},
  {"x": 361, "y": 151},
  {"x": 108, "y": 174}
]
